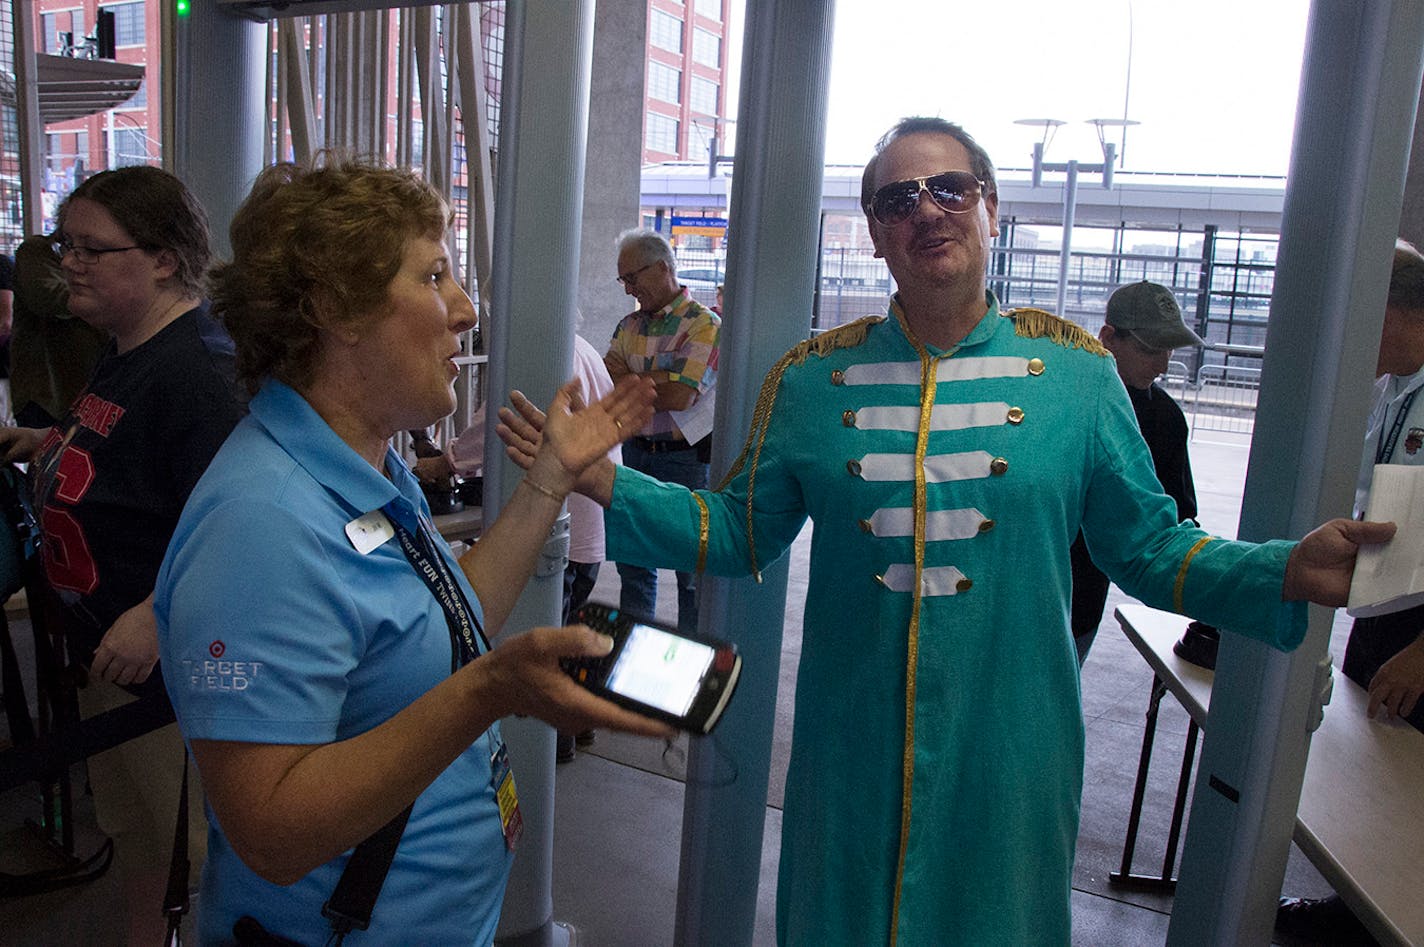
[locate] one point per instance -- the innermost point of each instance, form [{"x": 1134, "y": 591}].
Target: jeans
[{"x": 639, "y": 595}]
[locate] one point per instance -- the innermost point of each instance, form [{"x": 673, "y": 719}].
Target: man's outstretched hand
[
  {"x": 579, "y": 435},
  {"x": 1320, "y": 567}
]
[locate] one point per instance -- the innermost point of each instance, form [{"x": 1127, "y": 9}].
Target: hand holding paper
[{"x": 1389, "y": 577}]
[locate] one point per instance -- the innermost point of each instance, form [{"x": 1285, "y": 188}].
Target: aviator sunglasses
[{"x": 954, "y": 192}]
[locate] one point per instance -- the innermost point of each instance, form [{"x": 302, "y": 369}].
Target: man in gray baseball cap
[{"x": 1144, "y": 324}]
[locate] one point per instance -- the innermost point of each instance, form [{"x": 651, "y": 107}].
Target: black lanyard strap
[
  {"x": 1385, "y": 450},
  {"x": 431, "y": 567}
]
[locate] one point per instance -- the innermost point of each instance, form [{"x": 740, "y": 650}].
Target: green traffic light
[{"x": 183, "y": 7}]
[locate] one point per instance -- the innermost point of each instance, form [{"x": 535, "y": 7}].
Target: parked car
[{"x": 702, "y": 281}]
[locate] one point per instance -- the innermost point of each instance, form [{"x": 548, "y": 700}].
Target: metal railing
[{"x": 1223, "y": 398}]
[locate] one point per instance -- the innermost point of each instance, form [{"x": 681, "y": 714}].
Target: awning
[{"x": 73, "y": 88}]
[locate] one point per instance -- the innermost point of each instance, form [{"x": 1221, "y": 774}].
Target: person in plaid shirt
[{"x": 672, "y": 339}]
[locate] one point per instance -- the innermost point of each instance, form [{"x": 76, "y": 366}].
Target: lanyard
[
  {"x": 430, "y": 566},
  {"x": 1385, "y": 450}
]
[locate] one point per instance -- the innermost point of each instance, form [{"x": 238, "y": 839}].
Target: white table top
[{"x": 1361, "y": 815}]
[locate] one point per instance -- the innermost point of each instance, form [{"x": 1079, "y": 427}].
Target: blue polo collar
[{"x": 306, "y": 437}]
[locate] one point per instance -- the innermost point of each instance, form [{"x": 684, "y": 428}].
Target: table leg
[
  {"x": 1183, "y": 782},
  {"x": 1149, "y": 731}
]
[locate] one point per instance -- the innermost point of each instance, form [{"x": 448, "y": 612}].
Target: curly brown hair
[{"x": 315, "y": 248}]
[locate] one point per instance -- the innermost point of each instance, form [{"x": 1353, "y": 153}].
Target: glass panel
[{"x": 665, "y": 31}]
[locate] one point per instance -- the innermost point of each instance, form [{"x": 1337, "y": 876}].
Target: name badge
[
  {"x": 502, "y": 779},
  {"x": 369, "y": 530}
]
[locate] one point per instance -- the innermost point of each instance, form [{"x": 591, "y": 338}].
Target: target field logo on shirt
[{"x": 215, "y": 674}]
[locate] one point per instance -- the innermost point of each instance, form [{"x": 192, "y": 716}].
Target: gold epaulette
[
  {"x": 1038, "y": 324},
  {"x": 842, "y": 337}
]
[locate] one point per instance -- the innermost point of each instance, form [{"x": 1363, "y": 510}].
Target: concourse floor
[{"x": 619, "y": 803}]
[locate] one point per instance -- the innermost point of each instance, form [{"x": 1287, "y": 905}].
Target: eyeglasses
[
  {"x": 954, "y": 192},
  {"x": 627, "y": 278},
  {"x": 86, "y": 255}
]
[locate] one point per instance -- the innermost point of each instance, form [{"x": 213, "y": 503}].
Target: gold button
[
  {"x": 964, "y": 585},
  {"x": 848, "y": 419},
  {"x": 998, "y": 465},
  {"x": 1035, "y": 366},
  {"x": 1016, "y": 415},
  {"x": 838, "y": 377},
  {"x": 865, "y": 526},
  {"x": 985, "y": 526},
  {"x": 853, "y": 466}
]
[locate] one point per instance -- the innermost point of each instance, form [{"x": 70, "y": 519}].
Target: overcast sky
[{"x": 1213, "y": 82}]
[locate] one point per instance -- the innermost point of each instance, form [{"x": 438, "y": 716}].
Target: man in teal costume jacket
[{"x": 948, "y": 454}]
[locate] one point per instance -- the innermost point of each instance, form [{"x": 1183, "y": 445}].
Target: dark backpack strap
[{"x": 349, "y": 907}]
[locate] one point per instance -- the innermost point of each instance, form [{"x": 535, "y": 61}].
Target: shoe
[
  {"x": 564, "y": 751},
  {"x": 585, "y": 738},
  {"x": 1321, "y": 921}
]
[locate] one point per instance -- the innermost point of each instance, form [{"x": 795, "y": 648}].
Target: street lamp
[{"x": 1070, "y": 193}]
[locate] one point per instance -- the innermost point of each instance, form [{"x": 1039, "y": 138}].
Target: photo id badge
[{"x": 502, "y": 779}]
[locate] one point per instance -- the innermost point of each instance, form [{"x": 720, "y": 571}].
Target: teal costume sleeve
[
  {"x": 659, "y": 525},
  {"x": 1132, "y": 534}
]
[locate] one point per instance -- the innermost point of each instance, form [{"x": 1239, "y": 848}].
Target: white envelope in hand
[{"x": 1389, "y": 577}]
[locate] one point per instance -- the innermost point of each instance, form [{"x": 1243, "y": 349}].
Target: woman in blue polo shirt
[{"x": 327, "y": 653}]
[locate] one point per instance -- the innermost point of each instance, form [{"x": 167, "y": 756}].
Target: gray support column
[
  {"x": 612, "y": 188},
  {"x": 1359, "y": 94},
  {"x": 1065, "y": 251},
  {"x": 775, "y": 203},
  {"x": 543, "y": 129},
  {"x": 301, "y": 109},
  {"x": 478, "y": 170},
  {"x": 432, "y": 101},
  {"x": 405, "y": 85},
  {"x": 220, "y": 118},
  {"x": 1411, "y": 216},
  {"x": 27, "y": 116}
]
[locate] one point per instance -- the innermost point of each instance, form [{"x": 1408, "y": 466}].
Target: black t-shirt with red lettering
[{"x": 113, "y": 475}]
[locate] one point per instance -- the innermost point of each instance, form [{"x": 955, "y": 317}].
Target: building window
[
  {"x": 661, "y": 134},
  {"x": 699, "y": 142},
  {"x": 712, "y": 9},
  {"x": 140, "y": 98},
  {"x": 706, "y": 48},
  {"x": 665, "y": 83},
  {"x": 704, "y": 95},
  {"x": 128, "y": 23},
  {"x": 64, "y": 21},
  {"x": 63, "y": 149},
  {"x": 130, "y": 146},
  {"x": 665, "y": 31}
]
